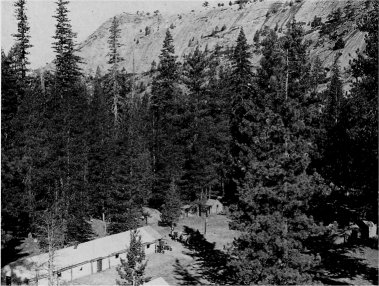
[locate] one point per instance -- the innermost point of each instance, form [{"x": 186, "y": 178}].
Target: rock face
[{"x": 142, "y": 34}]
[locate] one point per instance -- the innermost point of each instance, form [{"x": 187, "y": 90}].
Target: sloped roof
[
  {"x": 212, "y": 202},
  {"x": 157, "y": 282},
  {"x": 87, "y": 251},
  {"x": 186, "y": 207}
]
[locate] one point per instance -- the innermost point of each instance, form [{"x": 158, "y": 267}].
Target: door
[{"x": 99, "y": 265}]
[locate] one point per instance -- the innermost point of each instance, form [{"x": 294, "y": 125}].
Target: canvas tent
[
  {"x": 157, "y": 282},
  {"x": 81, "y": 260},
  {"x": 215, "y": 206}
]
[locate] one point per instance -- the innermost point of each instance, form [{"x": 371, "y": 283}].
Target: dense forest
[{"x": 287, "y": 157}]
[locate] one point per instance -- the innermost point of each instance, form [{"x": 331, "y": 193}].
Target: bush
[
  {"x": 340, "y": 44},
  {"x": 316, "y": 22},
  {"x": 172, "y": 26},
  {"x": 223, "y": 28},
  {"x": 147, "y": 31}
]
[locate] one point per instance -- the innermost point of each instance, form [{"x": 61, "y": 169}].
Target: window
[
  {"x": 147, "y": 245},
  {"x": 116, "y": 255},
  {"x": 59, "y": 274}
]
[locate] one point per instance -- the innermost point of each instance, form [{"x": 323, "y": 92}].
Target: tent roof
[
  {"x": 157, "y": 282},
  {"x": 87, "y": 251},
  {"x": 186, "y": 207},
  {"x": 212, "y": 202}
]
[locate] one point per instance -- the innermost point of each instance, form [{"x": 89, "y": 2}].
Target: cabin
[
  {"x": 81, "y": 260},
  {"x": 185, "y": 210},
  {"x": 216, "y": 206},
  {"x": 368, "y": 229},
  {"x": 204, "y": 208}
]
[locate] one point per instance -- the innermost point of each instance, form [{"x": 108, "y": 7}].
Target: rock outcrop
[{"x": 142, "y": 34}]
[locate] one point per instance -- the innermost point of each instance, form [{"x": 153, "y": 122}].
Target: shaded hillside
[{"x": 142, "y": 34}]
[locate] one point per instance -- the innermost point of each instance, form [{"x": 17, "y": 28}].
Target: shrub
[
  {"x": 147, "y": 31},
  {"x": 340, "y": 44},
  {"x": 223, "y": 28}
]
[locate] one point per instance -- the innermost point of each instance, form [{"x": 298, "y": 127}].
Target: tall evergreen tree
[
  {"x": 273, "y": 208},
  {"x": 171, "y": 208},
  {"x": 114, "y": 59},
  {"x": 241, "y": 91},
  {"x": 22, "y": 38},
  {"x": 166, "y": 153},
  {"x": 66, "y": 61},
  {"x": 132, "y": 269},
  {"x": 363, "y": 116}
]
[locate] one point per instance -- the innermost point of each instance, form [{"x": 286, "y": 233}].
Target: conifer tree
[
  {"x": 132, "y": 269},
  {"x": 241, "y": 92},
  {"x": 171, "y": 208},
  {"x": 114, "y": 59},
  {"x": 22, "y": 38},
  {"x": 364, "y": 114},
  {"x": 318, "y": 74},
  {"x": 66, "y": 62},
  {"x": 362, "y": 121},
  {"x": 167, "y": 160},
  {"x": 274, "y": 196}
]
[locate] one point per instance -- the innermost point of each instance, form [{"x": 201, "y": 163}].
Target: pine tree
[
  {"x": 166, "y": 153},
  {"x": 362, "y": 120},
  {"x": 171, "y": 208},
  {"x": 274, "y": 196},
  {"x": 22, "y": 38},
  {"x": 114, "y": 59},
  {"x": 132, "y": 269},
  {"x": 66, "y": 62},
  {"x": 317, "y": 75},
  {"x": 334, "y": 97},
  {"x": 242, "y": 92}
]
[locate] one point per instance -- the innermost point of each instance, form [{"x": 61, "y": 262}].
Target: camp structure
[
  {"x": 77, "y": 261},
  {"x": 187, "y": 210},
  {"x": 157, "y": 282},
  {"x": 215, "y": 206}
]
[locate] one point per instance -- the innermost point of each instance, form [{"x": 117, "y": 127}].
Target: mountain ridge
[{"x": 142, "y": 34}]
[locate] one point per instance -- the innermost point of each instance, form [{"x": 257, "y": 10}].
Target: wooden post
[
  {"x": 91, "y": 267},
  {"x": 109, "y": 262},
  {"x": 71, "y": 273},
  {"x": 287, "y": 75},
  {"x": 205, "y": 226}
]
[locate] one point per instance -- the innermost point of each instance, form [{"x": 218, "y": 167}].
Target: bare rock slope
[{"x": 142, "y": 34}]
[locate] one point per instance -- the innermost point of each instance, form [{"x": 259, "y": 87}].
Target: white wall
[
  {"x": 43, "y": 282},
  {"x": 150, "y": 248},
  {"x": 82, "y": 270}
]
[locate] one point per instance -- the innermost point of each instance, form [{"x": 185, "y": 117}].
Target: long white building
[{"x": 81, "y": 260}]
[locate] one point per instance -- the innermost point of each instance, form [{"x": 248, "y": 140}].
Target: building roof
[
  {"x": 212, "y": 202},
  {"x": 84, "y": 252},
  {"x": 157, "y": 282},
  {"x": 186, "y": 207}
]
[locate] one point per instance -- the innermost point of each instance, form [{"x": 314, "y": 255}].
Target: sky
[{"x": 85, "y": 15}]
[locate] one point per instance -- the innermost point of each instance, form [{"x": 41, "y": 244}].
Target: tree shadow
[
  {"x": 11, "y": 252},
  {"x": 184, "y": 275},
  {"x": 212, "y": 262},
  {"x": 337, "y": 264}
]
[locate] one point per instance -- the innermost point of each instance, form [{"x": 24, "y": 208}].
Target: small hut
[
  {"x": 204, "y": 208},
  {"x": 185, "y": 210},
  {"x": 215, "y": 206}
]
